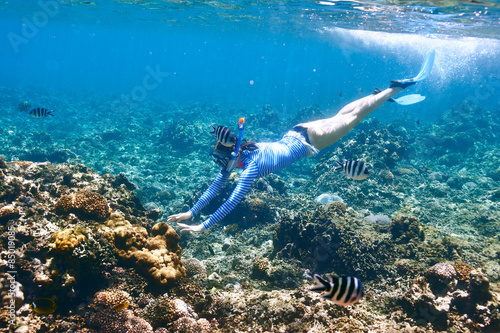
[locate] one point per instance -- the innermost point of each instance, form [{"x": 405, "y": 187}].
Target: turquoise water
[
  {"x": 135, "y": 85},
  {"x": 289, "y": 54}
]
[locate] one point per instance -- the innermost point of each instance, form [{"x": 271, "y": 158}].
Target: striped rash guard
[{"x": 258, "y": 163}]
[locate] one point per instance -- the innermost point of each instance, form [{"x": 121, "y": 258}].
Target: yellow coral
[
  {"x": 66, "y": 240},
  {"x": 256, "y": 205},
  {"x": 157, "y": 257},
  {"x": 116, "y": 220}
]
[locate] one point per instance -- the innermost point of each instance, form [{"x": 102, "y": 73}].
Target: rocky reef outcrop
[
  {"x": 70, "y": 227},
  {"x": 442, "y": 297}
]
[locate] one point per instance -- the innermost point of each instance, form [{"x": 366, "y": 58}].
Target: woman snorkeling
[{"x": 306, "y": 139}]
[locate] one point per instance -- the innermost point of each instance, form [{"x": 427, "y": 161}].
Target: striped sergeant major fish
[
  {"x": 223, "y": 135},
  {"x": 341, "y": 290},
  {"x": 356, "y": 170},
  {"x": 41, "y": 112}
]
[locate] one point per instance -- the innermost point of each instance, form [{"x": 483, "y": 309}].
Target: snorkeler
[{"x": 306, "y": 139}]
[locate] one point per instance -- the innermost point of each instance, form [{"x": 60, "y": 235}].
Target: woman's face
[{"x": 222, "y": 155}]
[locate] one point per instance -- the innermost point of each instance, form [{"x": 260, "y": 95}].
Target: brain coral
[
  {"x": 157, "y": 257},
  {"x": 84, "y": 204},
  {"x": 195, "y": 268}
]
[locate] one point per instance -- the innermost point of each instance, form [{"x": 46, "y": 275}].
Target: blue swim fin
[
  {"x": 426, "y": 66},
  {"x": 409, "y": 99},
  {"x": 405, "y": 100},
  {"x": 424, "y": 72}
]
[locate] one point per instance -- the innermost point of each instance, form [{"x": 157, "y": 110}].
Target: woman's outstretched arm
[{"x": 209, "y": 194}]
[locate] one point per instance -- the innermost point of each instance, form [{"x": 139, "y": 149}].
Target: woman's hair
[
  {"x": 248, "y": 145},
  {"x": 222, "y": 154},
  {"x": 245, "y": 145},
  {"x": 223, "y": 150}
]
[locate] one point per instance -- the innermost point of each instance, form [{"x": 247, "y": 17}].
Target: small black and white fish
[
  {"x": 341, "y": 290},
  {"x": 223, "y": 135},
  {"x": 356, "y": 170},
  {"x": 41, "y": 112}
]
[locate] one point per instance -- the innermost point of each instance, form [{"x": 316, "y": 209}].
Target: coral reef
[
  {"x": 329, "y": 240},
  {"x": 66, "y": 256},
  {"x": 158, "y": 257},
  {"x": 11, "y": 292},
  {"x": 441, "y": 276},
  {"x": 175, "y": 315},
  {"x": 429, "y": 206},
  {"x": 439, "y": 300}
]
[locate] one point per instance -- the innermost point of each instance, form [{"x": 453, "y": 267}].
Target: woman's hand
[
  {"x": 180, "y": 217},
  {"x": 185, "y": 227},
  {"x": 195, "y": 228}
]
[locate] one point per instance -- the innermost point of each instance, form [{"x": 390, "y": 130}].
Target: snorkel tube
[{"x": 234, "y": 154}]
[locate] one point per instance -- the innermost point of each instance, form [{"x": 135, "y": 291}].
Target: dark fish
[
  {"x": 223, "y": 135},
  {"x": 341, "y": 290},
  {"x": 356, "y": 170},
  {"x": 23, "y": 106},
  {"x": 43, "y": 305},
  {"x": 210, "y": 249},
  {"x": 41, "y": 112},
  {"x": 340, "y": 93}
]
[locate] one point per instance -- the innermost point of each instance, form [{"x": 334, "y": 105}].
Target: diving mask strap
[{"x": 232, "y": 163}]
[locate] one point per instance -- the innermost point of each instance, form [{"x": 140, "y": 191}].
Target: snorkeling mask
[{"x": 220, "y": 160}]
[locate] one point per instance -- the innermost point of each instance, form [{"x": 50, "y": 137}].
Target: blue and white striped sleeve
[
  {"x": 246, "y": 178},
  {"x": 211, "y": 192}
]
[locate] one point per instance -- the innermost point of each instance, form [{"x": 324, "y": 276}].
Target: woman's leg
[{"x": 322, "y": 133}]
